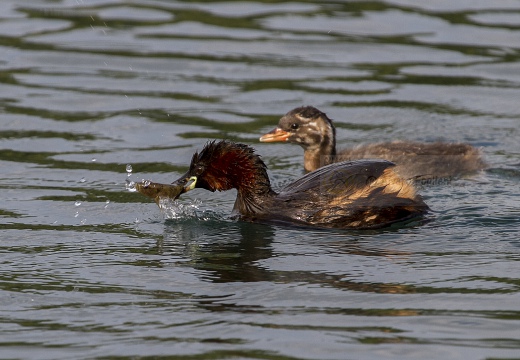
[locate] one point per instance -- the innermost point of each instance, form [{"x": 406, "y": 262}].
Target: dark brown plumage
[
  {"x": 358, "y": 194},
  {"x": 315, "y": 132}
]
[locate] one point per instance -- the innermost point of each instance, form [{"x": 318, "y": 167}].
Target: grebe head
[
  {"x": 223, "y": 165},
  {"x": 306, "y": 126}
]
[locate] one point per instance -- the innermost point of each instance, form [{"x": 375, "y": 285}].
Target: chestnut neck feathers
[{"x": 224, "y": 165}]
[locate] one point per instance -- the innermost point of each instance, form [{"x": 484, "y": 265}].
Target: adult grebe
[{"x": 357, "y": 194}]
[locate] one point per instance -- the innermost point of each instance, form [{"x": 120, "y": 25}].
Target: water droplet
[
  {"x": 82, "y": 180},
  {"x": 130, "y": 185},
  {"x": 77, "y": 203},
  {"x": 106, "y": 203},
  {"x": 129, "y": 169},
  {"x": 77, "y": 214},
  {"x": 146, "y": 183},
  {"x": 94, "y": 159}
]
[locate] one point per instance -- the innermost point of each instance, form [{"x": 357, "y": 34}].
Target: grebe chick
[
  {"x": 315, "y": 133},
  {"x": 358, "y": 194}
]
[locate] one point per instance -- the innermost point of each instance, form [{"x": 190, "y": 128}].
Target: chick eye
[{"x": 295, "y": 126}]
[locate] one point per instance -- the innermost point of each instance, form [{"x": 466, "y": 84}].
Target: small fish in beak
[{"x": 157, "y": 191}]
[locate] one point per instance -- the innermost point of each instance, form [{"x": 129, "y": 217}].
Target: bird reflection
[{"x": 229, "y": 251}]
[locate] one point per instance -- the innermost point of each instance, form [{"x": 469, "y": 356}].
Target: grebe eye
[
  {"x": 295, "y": 126},
  {"x": 199, "y": 170}
]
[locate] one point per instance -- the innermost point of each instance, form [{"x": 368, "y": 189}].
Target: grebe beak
[
  {"x": 185, "y": 183},
  {"x": 275, "y": 136},
  {"x": 190, "y": 185}
]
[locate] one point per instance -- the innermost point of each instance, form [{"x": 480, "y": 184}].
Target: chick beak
[{"x": 275, "y": 135}]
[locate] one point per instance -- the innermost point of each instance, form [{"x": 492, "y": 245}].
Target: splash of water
[
  {"x": 175, "y": 210},
  {"x": 172, "y": 209},
  {"x": 130, "y": 185}
]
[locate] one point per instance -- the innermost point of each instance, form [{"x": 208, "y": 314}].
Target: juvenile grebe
[
  {"x": 315, "y": 132},
  {"x": 357, "y": 194}
]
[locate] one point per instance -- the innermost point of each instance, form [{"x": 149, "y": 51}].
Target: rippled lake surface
[{"x": 91, "y": 270}]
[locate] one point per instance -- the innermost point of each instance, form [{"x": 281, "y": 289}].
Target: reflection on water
[{"x": 90, "y": 270}]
